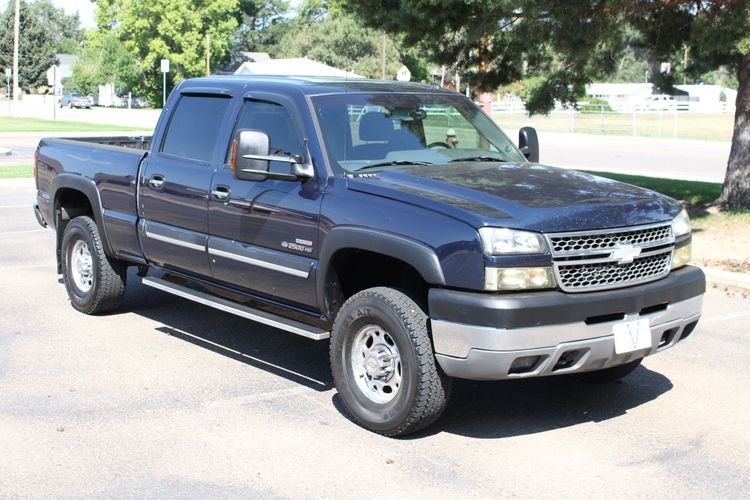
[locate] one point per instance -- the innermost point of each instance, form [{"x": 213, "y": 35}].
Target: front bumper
[{"x": 480, "y": 336}]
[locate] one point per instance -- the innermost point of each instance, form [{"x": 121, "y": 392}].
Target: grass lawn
[
  {"x": 16, "y": 171},
  {"x": 36, "y": 125},
  {"x": 696, "y": 193}
]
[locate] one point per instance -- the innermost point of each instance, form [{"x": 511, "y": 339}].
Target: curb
[{"x": 727, "y": 278}]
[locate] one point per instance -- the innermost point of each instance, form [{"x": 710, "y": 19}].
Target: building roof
[{"x": 300, "y": 66}]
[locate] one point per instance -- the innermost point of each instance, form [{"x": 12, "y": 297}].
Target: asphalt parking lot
[{"x": 166, "y": 397}]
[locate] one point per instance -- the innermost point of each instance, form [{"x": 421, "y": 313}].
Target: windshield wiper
[
  {"x": 479, "y": 158},
  {"x": 393, "y": 162}
]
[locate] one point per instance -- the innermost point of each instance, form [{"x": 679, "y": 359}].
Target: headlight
[
  {"x": 518, "y": 278},
  {"x": 682, "y": 256},
  {"x": 681, "y": 224},
  {"x": 503, "y": 241}
]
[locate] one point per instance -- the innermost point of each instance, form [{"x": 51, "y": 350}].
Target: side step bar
[{"x": 264, "y": 317}]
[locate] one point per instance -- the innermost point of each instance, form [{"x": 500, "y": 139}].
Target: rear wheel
[
  {"x": 610, "y": 374},
  {"x": 383, "y": 363},
  {"x": 95, "y": 283}
]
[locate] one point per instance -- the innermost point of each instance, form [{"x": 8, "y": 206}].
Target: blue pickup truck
[{"x": 395, "y": 219}]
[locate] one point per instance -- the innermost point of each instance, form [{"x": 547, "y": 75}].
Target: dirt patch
[{"x": 722, "y": 241}]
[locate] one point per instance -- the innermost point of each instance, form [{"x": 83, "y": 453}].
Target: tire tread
[{"x": 433, "y": 386}]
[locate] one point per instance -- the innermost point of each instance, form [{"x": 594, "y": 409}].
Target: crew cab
[{"x": 395, "y": 220}]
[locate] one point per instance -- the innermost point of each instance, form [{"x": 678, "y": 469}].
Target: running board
[{"x": 264, "y": 317}]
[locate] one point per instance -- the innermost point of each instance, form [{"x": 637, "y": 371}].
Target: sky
[{"x": 84, "y": 7}]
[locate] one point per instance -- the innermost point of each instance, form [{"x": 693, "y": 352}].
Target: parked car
[
  {"x": 657, "y": 102},
  {"x": 420, "y": 261},
  {"x": 74, "y": 100}
]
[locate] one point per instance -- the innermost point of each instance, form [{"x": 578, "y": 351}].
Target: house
[
  {"x": 63, "y": 69},
  {"x": 620, "y": 96},
  {"x": 710, "y": 98}
]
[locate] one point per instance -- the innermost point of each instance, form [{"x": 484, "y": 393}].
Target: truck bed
[{"x": 108, "y": 166}]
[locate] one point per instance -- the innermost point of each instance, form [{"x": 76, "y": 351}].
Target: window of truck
[
  {"x": 385, "y": 130},
  {"x": 276, "y": 121},
  {"x": 192, "y": 130}
]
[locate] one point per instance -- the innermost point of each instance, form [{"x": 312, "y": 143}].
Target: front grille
[
  {"x": 574, "y": 243},
  {"x": 575, "y": 277},
  {"x": 587, "y": 261}
]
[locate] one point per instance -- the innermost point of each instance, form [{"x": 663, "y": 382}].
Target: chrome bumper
[
  {"x": 486, "y": 353},
  {"x": 38, "y": 215}
]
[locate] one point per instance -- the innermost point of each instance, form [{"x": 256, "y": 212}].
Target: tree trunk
[{"x": 736, "y": 192}]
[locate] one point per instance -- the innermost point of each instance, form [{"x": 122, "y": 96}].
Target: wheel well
[
  {"x": 69, "y": 204},
  {"x": 353, "y": 270}
]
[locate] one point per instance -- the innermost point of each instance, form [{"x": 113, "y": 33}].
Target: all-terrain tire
[
  {"x": 423, "y": 389},
  {"x": 101, "y": 286},
  {"x": 610, "y": 374}
]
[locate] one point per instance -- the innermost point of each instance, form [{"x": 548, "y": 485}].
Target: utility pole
[
  {"x": 208, "y": 55},
  {"x": 684, "y": 66},
  {"x": 16, "y": 23},
  {"x": 382, "y": 60}
]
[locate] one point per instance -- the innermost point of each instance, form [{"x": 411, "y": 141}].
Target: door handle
[
  {"x": 156, "y": 181},
  {"x": 221, "y": 193}
]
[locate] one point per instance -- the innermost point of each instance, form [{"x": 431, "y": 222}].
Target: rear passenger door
[
  {"x": 264, "y": 234},
  {"x": 174, "y": 184}
]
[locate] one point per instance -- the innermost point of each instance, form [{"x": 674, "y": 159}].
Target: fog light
[
  {"x": 518, "y": 278},
  {"x": 523, "y": 365},
  {"x": 682, "y": 256}
]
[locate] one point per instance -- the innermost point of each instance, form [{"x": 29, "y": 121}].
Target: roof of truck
[{"x": 313, "y": 85}]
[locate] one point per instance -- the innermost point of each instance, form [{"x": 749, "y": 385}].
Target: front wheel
[
  {"x": 383, "y": 364},
  {"x": 95, "y": 283}
]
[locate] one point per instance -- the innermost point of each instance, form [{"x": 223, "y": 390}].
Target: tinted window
[
  {"x": 274, "y": 120},
  {"x": 194, "y": 127}
]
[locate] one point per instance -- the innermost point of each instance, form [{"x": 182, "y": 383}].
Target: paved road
[
  {"x": 165, "y": 397},
  {"x": 655, "y": 157}
]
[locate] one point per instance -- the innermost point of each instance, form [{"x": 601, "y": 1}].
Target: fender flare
[
  {"x": 417, "y": 255},
  {"x": 89, "y": 189}
]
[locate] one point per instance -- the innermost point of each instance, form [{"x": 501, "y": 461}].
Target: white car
[{"x": 657, "y": 102}]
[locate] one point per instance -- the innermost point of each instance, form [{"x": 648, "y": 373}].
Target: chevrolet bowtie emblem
[{"x": 624, "y": 254}]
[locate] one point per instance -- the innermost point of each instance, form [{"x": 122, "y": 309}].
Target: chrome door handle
[
  {"x": 156, "y": 181},
  {"x": 221, "y": 193}
]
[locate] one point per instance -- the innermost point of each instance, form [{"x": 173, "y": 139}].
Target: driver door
[{"x": 263, "y": 235}]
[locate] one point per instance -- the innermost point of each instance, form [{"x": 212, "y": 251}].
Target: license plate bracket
[{"x": 632, "y": 336}]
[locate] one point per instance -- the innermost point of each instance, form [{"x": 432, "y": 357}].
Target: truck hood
[{"x": 519, "y": 195}]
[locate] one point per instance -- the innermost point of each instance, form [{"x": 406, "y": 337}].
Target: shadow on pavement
[
  {"x": 476, "y": 409},
  {"x": 295, "y": 358},
  {"x": 519, "y": 407}
]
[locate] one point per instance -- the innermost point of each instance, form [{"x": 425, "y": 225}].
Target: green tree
[
  {"x": 261, "y": 24},
  {"x": 103, "y": 60},
  {"x": 569, "y": 44},
  {"x": 64, "y": 29},
  {"x": 36, "y": 49},
  {"x": 339, "y": 40},
  {"x": 163, "y": 29}
]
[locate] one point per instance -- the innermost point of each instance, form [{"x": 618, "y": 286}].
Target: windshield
[{"x": 389, "y": 130}]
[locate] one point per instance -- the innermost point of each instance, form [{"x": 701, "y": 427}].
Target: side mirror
[
  {"x": 251, "y": 159},
  {"x": 250, "y": 146},
  {"x": 528, "y": 143}
]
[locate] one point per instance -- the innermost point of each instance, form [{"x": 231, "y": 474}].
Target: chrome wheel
[
  {"x": 82, "y": 266},
  {"x": 376, "y": 364}
]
